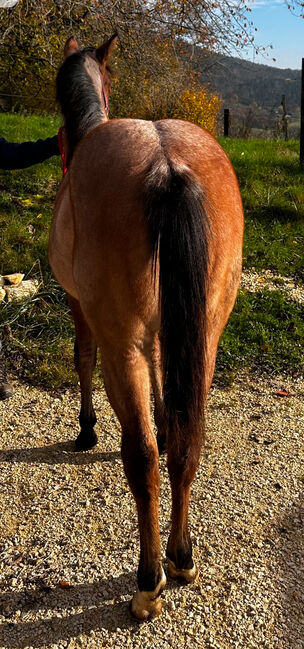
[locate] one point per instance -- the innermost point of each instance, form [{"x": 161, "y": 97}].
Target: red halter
[{"x": 62, "y": 151}]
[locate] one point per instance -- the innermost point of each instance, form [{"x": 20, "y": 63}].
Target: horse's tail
[{"x": 180, "y": 232}]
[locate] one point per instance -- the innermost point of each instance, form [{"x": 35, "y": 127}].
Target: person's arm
[{"x": 19, "y": 156}]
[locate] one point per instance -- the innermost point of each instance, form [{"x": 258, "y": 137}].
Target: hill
[{"x": 253, "y": 91}]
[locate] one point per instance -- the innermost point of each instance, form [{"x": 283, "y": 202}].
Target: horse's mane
[{"x": 78, "y": 99}]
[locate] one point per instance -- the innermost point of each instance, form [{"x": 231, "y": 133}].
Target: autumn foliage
[
  {"x": 199, "y": 107},
  {"x": 153, "y": 76}
]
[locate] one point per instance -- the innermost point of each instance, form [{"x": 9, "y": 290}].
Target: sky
[{"x": 278, "y": 27}]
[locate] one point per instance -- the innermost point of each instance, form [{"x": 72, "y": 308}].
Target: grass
[
  {"x": 272, "y": 189},
  {"x": 39, "y": 333},
  {"x": 265, "y": 331}
]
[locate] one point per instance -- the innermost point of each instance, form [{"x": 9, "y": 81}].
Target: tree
[
  {"x": 153, "y": 52},
  {"x": 296, "y": 7},
  {"x": 159, "y": 39}
]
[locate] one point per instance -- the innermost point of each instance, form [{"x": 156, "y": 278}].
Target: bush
[{"x": 199, "y": 107}]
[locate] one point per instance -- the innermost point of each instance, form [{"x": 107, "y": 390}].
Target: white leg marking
[{"x": 147, "y": 604}]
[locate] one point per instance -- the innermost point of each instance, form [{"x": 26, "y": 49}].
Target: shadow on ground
[
  {"x": 60, "y": 453},
  {"x": 290, "y": 575},
  {"x": 99, "y": 612}
]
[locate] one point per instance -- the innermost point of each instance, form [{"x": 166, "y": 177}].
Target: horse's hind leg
[
  {"x": 85, "y": 361},
  {"x": 127, "y": 381},
  {"x": 182, "y": 465}
]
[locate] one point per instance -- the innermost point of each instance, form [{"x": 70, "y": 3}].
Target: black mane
[{"x": 78, "y": 99}]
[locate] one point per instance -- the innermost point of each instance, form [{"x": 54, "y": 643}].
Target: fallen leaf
[
  {"x": 282, "y": 393},
  {"x": 65, "y": 584}
]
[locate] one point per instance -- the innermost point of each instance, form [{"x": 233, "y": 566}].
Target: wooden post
[
  {"x": 302, "y": 118},
  {"x": 284, "y": 118},
  {"x": 226, "y": 122}
]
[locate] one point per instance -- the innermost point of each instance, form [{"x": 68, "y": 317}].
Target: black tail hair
[{"x": 180, "y": 231}]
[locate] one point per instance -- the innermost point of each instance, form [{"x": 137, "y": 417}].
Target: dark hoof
[
  {"x": 85, "y": 441},
  {"x": 6, "y": 391},
  {"x": 161, "y": 444}
]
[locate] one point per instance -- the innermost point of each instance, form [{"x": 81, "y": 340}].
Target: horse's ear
[
  {"x": 105, "y": 50},
  {"x": 70, "y": 47}
]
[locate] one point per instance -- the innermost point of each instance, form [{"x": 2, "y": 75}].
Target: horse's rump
[{"x": 108, "y": 177}]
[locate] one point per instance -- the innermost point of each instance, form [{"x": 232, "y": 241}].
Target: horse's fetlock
[
  {"x": 148, "y": 578},
  {"x": 86, "y": 439},
  {"x": 180, "y": 554},
  {"x": 87, "y": 422}
]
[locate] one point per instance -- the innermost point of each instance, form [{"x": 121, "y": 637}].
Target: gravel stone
[{"x": 69, "y": 538}]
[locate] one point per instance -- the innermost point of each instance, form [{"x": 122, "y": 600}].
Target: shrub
[{"x": 199, "y": 107}]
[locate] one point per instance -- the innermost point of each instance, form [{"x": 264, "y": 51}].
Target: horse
[{"x": 146, "y": 240}]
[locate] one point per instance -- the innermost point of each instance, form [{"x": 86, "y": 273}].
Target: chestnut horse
[{"x": 146, "y": 240}]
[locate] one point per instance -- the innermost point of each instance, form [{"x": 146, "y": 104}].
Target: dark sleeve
[{"x": 19, "y": 156}]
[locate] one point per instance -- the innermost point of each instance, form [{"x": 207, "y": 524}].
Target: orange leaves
[
  {"x": 282, "y": 393},
  {"x": 199, "y": 107},
  {"x": 65, "y": 585}
]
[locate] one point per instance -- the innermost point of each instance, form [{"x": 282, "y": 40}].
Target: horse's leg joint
[
  {"x": 140, "y": 459},
  {"x": 87, "y": 437}
]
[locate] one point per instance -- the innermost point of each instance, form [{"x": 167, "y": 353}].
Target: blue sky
[{"x": 278, "y": 27}]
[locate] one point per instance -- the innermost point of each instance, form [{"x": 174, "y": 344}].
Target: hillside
[{"x": 252, "y": 91}]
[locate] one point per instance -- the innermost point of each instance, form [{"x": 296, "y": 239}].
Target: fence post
[
  {"x": 226, "y": 122},
  {"x": 284, "y": 118},
  {"x": 302, "y": 118}
]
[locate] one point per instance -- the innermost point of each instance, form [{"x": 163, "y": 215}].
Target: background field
[{"x": 265, "y": 332}]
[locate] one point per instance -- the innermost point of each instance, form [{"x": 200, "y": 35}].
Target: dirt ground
[{"x": 69, "y": 540}]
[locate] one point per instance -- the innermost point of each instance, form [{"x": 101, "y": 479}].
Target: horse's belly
[{"x": 61, "y": 242}]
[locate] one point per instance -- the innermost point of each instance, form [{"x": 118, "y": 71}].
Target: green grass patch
[
  {"x": 265, "y": 333},
  {"x": 38, "y": 335},
  {"x": 272, "y": 189}
]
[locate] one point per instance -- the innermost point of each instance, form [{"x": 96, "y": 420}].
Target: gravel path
[{"x": 69, "y": 540}]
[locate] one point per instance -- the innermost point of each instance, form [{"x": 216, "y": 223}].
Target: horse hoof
[
  {"x": 146, "y": 605},
  {"x": 184, "y": 575},
  {"x": 85, "y": 441}
]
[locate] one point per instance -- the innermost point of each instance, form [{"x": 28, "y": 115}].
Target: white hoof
[
  {"x": 189, "y": 576},
  {"x": 147, "y": 604}
]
